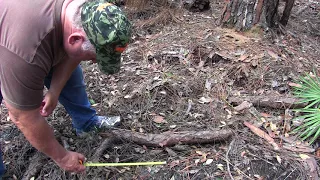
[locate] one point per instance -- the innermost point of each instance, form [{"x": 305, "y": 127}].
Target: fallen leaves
[
  {"x": 262, "y": 134},
  {"x": 243, "y": 57},
  {"x": 204, "y": 100},
  {"x": 243, "y": 105},
  {"x": 159, "y": 120},
  {"x": 291, "y": 84},
  {"x": 204, "y": 156},
  {"x": 208, "y": 161},
  {"x": 304, "y": 156},
  {"x": 273, "y": 54},
  {"x": 273, "y": 127},
  {"x": 278, "y": 159},
  {"x": 220, "y": 166},
  {"x": 318, "y": 152}
]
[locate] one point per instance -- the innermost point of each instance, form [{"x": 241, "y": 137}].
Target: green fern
[{"x": 309, "y": 92}]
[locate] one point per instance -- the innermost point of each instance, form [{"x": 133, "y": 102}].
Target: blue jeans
[
  {"x": 2, "y": 169},
  {"x": 75, "y": 100}
]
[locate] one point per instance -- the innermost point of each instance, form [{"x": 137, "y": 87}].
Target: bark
[
  {"x": 172, "y": 138},
  {"x": 244, "y": 14}
]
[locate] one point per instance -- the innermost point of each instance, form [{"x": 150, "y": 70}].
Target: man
[{"x": 42, "y": 43}]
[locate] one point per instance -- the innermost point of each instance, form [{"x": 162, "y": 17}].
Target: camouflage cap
[{"x": 109, "y": 30}]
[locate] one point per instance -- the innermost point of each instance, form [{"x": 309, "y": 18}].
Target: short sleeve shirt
[{"x": 30, "y": 45}]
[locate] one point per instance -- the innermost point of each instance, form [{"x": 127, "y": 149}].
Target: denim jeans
[
  {"x": 2, "y": 169},
  {"x": 75, "y": 100}
]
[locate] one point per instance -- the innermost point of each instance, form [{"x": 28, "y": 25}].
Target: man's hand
[
  {"x": 71, "y": 162},
  {"x": 49, "y": 103},
  {"x": 37, "y": 131}
]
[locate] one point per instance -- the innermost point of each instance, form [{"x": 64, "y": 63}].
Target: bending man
[{"x": 42, "y": 43}]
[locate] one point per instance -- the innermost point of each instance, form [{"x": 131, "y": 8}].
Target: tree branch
[{"x": 170, "y": 138}]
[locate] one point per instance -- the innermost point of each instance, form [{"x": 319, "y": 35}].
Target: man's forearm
[
  {"x": 61, "y": 74},
  {"x": 40, "y": 135}
]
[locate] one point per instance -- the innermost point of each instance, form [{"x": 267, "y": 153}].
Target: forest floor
[{"x": 188, "y": 75}]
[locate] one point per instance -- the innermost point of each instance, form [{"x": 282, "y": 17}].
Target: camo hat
[{"x": 109, "y": 30}]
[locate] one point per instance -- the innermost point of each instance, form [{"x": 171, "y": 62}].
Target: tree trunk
[
  {"x": 286, "y": 12},
  {"x": 244, "y": 14}
]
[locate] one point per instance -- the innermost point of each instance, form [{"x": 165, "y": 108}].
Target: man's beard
[{"x": 87, "y": 46}]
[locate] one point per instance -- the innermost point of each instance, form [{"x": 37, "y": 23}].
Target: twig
[
  {"x": 227, "y": 157},
  {"x": 237, "y": 168},
  {"x": 189, "y": 106},
  {"x": 290, "y": 173}
]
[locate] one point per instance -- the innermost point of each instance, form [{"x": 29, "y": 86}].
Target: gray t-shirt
[{"x": 30, "y": 45}]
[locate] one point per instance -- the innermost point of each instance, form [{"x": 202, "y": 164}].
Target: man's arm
[
  {"x": 40, "y": 135},
  {"x": 61, "y": 74}
]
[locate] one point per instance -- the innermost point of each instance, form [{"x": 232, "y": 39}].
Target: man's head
[
  {"x": 101, "y": 29},
  {"x": 109, "y": 30}
]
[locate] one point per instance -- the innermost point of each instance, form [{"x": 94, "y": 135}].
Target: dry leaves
[
  {"x": 243, "y": 105},
  {"x": 272, "y": 54},
  {"x": 291, "y": 84},
  {"x": 204, "y": 100},
  {"x": 204, "y": 156},
  {"x": 159, "y": 120},
  {"x": 262, "y": 134}
]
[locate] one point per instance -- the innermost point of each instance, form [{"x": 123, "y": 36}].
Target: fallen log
[
  {"x": 170, "y": 138},
  {"x": 276, "y": 102}
]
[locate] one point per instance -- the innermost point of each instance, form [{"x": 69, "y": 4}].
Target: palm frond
[{"x": 308, "y": 92}]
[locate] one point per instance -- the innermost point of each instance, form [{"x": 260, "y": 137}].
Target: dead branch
[
  {"x": 170, "y": 138},
  {"x": 297, "y": 148},
  {"x": 108, "y": 142},
  {"x": 276, "y": 102}
]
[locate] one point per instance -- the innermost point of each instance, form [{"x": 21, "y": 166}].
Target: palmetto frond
[{"x": 309, "y": 92}]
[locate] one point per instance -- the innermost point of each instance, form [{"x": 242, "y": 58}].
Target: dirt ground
[{"x": 181, "y": 76}]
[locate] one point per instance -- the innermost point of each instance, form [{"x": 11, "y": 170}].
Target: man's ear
[{"x": 75, "y": 38}]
